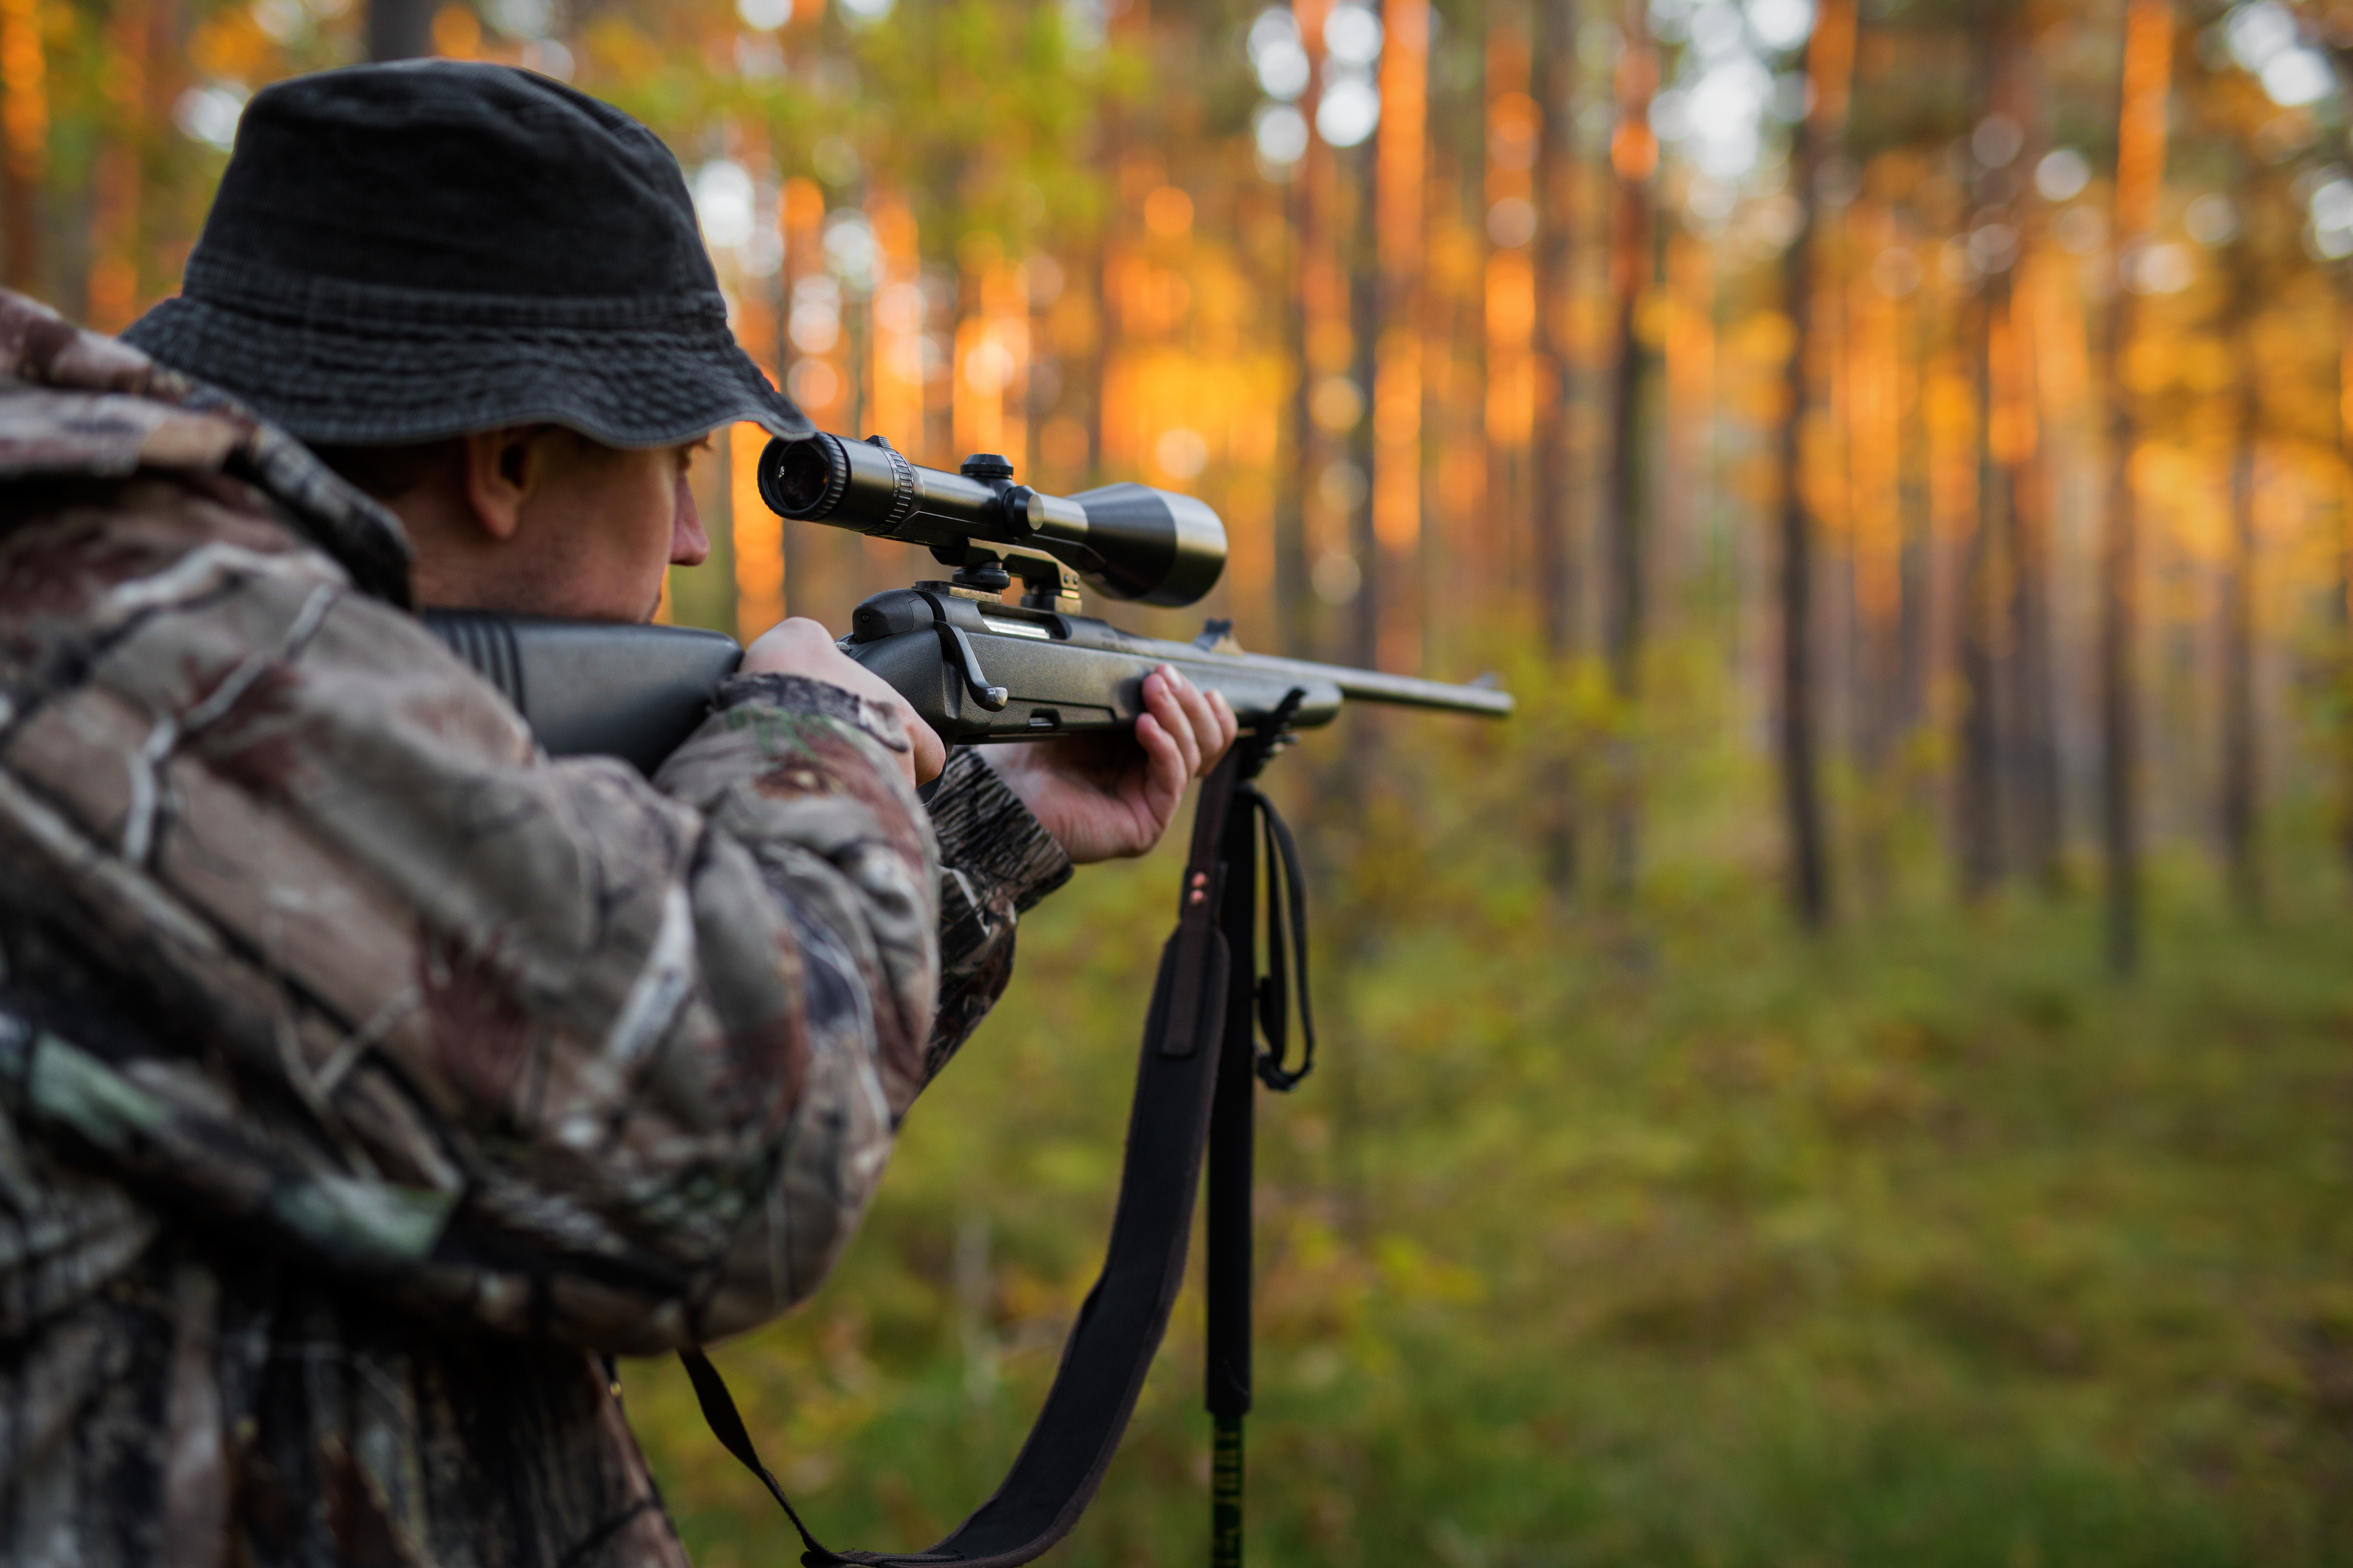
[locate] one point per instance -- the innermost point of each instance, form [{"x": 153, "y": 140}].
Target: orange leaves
[
  {"x": 1511, "y": 298},
  {"x": 228, "y": 46},
  {"x": 1633, "y": 150},
  {"x": 25, "y": 112},
  {"x": 2148, "y": 76},
  {"x": 757, "y": 540},
  {"x": 801, "y": 205},
  {"x": 1148, "y": 301},
  {"x": 895, "y": 378},
  {"x": 1168, "y": 213},
  {"x": 2011, "y": 428},
  {"x": 1397, "y": 439},
  {"x": 1513, "y": 124},
  {"x": 1764, "y": 339},
  {"x": 457, "y": 32}
]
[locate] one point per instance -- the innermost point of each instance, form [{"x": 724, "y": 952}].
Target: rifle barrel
[{"x": 1399, "y": 690}]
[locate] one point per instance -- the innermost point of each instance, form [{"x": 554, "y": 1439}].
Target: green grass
[{"x": 1659, "y": 1235}]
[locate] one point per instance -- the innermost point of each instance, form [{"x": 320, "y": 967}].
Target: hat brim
[{"x": 368, "y": 370}]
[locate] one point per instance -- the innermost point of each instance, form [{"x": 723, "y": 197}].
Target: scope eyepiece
[
  {"x": 806, "y": 481},
  {"x": 1127, "y": 540}
]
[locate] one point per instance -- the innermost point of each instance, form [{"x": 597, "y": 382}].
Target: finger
[
  {"x": 1228, "y": 727},
  {"x": 927, "y": 755},
  {"x": 905, "y": 761},
  {"x": 793, "y": 647},
  {"x": 1201, "y": 716},
  {"x": 1164, "y": 773},
  {"x": 931, "y": 756},
  {"x": 1168, "y": 707}
]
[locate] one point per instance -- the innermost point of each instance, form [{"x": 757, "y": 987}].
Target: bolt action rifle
[
  {"x": 976, "y": 669},
  {"x": 981, "y": 670}
]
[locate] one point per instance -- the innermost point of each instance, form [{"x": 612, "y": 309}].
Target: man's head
[
  {"x": 484, "y": 297},
  {"x": 536, "y": 519}
]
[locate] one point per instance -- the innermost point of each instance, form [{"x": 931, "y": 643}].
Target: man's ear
[{"x": 502, "y": 467}]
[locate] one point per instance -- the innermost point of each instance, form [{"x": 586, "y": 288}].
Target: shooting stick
[{"x": 1196, "y": 1069}]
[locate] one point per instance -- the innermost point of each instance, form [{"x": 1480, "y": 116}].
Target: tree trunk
[
  {"x": 1362, "y": 640},
  {"x": 2042, "y": 828},
  {"x": 1875, "y": 454},
  {"x": 2344, "y": 596},
  {"x": 1916, "y": 575},
  {"x": 24, "y": 146},
  {"x": 1976, "y": 810},
  {"x": 1633, "y": 158},
  {"x": 1830, "y": 59},
  {"x": 2141, "y": 172},
  {"x": 1559, "y": 580},
  {"x": 2033, "y": 740},
  {"x": 1978, "y": 807},
  {"x": 2240, "y": 743},
  {"x": 1555, "y": 195},
  {"x": 1324, "y": 350},
  {"x": 1400, "y": 215},
  {"x": 399, "y": 29},
  {"x": 112, "y": 298},
  {"x": 1294, "y": 612}
]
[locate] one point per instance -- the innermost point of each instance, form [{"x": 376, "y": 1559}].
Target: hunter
[{"x": 369, "y": 1079}]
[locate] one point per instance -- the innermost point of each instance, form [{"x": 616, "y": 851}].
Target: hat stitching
[{"x": 264, "y": 287}]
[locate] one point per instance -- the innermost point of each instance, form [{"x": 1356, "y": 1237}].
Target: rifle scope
[{"x": 1128, "y": 540}]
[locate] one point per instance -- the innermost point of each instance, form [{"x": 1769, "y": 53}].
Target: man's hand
[
  {"x": 1103, "y": 797},
  {"x": 801, "y": 647}
]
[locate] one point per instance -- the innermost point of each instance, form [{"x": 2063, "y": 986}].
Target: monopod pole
[{"x": 1229, "y": 1222}]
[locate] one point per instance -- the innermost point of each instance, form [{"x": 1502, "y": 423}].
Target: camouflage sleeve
[
  {"x": 532, "y": 1043},
  {"x": 996, "y": 862}
]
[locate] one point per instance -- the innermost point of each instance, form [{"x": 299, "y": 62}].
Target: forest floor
[{"x": 1657, "y": 1238}]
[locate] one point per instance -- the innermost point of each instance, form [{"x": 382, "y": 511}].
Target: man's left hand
[{"x": 1106, "y": 796}]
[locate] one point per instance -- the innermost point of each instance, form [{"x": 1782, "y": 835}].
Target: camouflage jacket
[{"x": 365, "y": 1075}]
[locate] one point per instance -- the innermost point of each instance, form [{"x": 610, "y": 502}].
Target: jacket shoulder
[{"x": 77, "y": 406}]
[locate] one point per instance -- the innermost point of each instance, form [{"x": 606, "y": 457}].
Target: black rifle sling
[
  {"x": 1286, "y": 913},
  {"x": 1119, "y": 1329}
]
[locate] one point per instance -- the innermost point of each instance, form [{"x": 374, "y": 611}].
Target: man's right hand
[{"x": 803, "y": 647}]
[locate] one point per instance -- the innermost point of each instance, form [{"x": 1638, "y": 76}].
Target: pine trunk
[
  {"x": 1976, "y": 808},
  {"x": 2032, "y": 738},
  {"x": 2141, "y": 172},
  {"x": 2241, "y": 743},
  {"x": 1555, "y": 195},
  {"x": 1559, "y": 579},
  {"x": 1633, "y": 156},
  {"x": 399, "y": 29},
  {"x": 1829, "y": 57}
]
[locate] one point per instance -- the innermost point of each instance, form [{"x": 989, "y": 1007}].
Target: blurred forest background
[{"x": 1857, "y": 1072}]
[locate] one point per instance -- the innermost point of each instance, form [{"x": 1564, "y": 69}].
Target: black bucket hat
[{"x": 402, "y": 252}]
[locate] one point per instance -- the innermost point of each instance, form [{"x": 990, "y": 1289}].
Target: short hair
[{"x": 389, "y": 472}]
